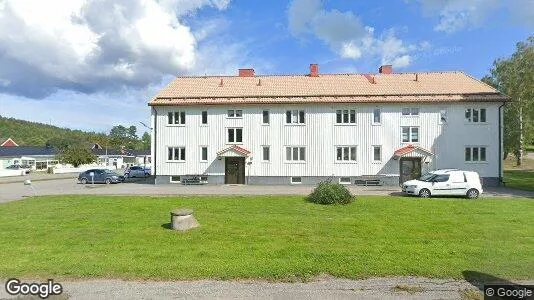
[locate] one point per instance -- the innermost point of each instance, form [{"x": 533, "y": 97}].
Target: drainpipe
[
  {"x": 155, "y": 133},
  {"x": 500, "y": 142}
]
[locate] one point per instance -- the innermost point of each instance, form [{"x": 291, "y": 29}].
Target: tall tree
[
  {"x": 145, "y": 141},
  {"x": 118, "y": 136}
]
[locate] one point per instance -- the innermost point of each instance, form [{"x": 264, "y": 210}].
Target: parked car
[
  {"x": 100, "y": 176},
  {"x": 136, "y": 171},
  {"x": 445, "y": 182},
  {"x": 26, "y": 168}
]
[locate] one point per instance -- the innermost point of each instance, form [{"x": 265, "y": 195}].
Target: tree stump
[{"x": 182, "y": 219}]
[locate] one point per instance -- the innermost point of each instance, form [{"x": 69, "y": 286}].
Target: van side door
[
  {"x": 458, "y": 183},
  {"x": 441, "y": 185}
]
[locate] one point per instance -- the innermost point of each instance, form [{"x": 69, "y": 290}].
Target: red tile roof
[{"x": 408, "y": 149}]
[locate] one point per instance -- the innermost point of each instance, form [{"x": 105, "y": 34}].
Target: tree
[
  {"x": 119, "y": 136},
  {"x": 76, "y": 156},
  {"x": 514, "y": 76},
  {"x": 145, "y": 141}
]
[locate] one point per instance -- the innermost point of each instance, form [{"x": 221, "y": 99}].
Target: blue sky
[{"x": 94, "y": 64}]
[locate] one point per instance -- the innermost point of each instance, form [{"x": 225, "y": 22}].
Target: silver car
[{"x": 136, "y": 171}]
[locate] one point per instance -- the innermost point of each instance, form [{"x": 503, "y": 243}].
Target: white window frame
[
  {"x": 172, "y": 115},
  {"x": 293, "y": 182},
  {"x": 235, "y": 135},
  {"x": 263, "y": 153},
  {"x": 174, "y": 181},
  {"x": 471, "y": 118},
  {"x": 201, "y": 152},
  {"x": 373, "y": 153},
  {"x": 299, "y": 154},
  {"x": 411, "y": 134},
  {"x": 442, "y": 116},
  {"x": 181, "y": 150},
  {"x": 344, "y": 182},
  {"x": 412, "y": 111},
  {"x": 346, "y": 113},
  {"x": 295, "y": 118},
  {"x": 379, "y": 116},
  {"x": 479, "y": 151},
  {"x": 232, "y": 114},
  {"x": 352, "y": 149},
  {"x": 263, "y": 117}
]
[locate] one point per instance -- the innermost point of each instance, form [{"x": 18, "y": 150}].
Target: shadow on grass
[
  {"x": 478, "y": 280},
  {"x": 166, "y": 226}
]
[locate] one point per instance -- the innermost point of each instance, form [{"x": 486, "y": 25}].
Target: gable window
[
  {"x": 266, "y": 152},
  {"x": 235, "y": 135},
  {"x": 475, "y": 154},
  {"x": 377, "y": 153},
  {"x": 295, "y": 153},
  {"x": 235, "y": 113},
  {"x": 176, "y": 118},
  {"x": 204, "y": 117},
  {"x": 376, "y": 116},
  {"x": 346, "y": 153},
  {"x": 295, "y": 117},
  {"x": 176, "y": 154},
  {"x": 410, "y": 111},
  {"x": 475, "y": 115},
  {"x": 204, "y": 153},
  {"x": 442, "y": 116},
  {"x": 410, "y": 134},
  {"x": 346, "y": 116},
  {"x": 265, "y": 117}
]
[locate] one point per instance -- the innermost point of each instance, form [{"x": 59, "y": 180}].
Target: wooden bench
[{"x": 368, "y": 181}]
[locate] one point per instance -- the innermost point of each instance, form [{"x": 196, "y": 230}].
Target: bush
[{"x": 327, "y": 192}]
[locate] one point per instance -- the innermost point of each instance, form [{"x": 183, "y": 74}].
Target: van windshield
[{"x": 427, "y": 177}]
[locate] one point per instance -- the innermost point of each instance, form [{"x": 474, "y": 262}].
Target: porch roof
[
  {"x": 233, "y": 151},
  {"x": 411, "y": 149}
]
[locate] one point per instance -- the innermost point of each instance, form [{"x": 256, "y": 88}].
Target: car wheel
[
  {"x": 83, "y": 181},
  {"x": 108, "y": 181},
  {"x": 424, "y": 193},
  {"x": 472, "y": 194}
]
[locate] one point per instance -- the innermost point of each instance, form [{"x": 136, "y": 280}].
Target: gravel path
[{"x": 327, "y": 288}]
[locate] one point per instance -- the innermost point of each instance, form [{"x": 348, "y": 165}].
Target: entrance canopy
[
  {"x": 411, "y": 151},
  {"x": 233, "y": 151}
]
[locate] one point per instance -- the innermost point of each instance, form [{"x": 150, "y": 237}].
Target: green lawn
[
  {"x": 523, "y": 180},
  {"x": 274, "y": 238}
]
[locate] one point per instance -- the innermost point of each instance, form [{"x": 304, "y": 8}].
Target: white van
[{"x": 445, "y": 182}]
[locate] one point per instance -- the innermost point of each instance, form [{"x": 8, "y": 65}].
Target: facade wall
[{"x": 320, "y": 135}]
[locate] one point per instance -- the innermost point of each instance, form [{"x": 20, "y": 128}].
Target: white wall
[{"x": 320, "y": 135}]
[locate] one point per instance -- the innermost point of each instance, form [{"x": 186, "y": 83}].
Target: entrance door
[
  {"x": 234, "y": 170},
  {"x": 410, "y": 168}
]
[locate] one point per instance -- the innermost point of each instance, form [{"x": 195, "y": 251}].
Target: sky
[{"x": 92, "y": 65}]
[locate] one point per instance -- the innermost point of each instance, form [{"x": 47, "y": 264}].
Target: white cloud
[
  {"x": 345, "y": 33},
  {"x": 92, "y": 46}
]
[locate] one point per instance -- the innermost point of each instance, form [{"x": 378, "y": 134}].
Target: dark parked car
[
  {"x": 136, "y": 171},
  {"x": 100, "y": 176}
]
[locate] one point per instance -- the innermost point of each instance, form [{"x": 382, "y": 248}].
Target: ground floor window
[
  {"x": 266, "y": 153},
  {"x": 295, "y": 153},
  {"x": 346, "y": 153},
  {"x": 176, "y": 154},
  {"x": 296, "y": 180},
  {"x": 475, "y": 154}
]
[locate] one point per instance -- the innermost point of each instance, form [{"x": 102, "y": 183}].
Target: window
[
  {"x": 176, "y": 118},
  {"x": 266, "y": 117},
  {"x": 235, "y": 113},
  {"x": 204, "y": 154},
  {"x": 204, "y": 117},
  {"x": 475, "y": 154},
  {"x": 377, "y": 153},
  {"x": 346, "y": 153},
  {"x": 410, "y": 134},
  {"x": 475, "y": 115},
  {"x": 295, "y": 153},
  {"x": 344, "y": 180},
  {"x": 441, "y": 178},
  {"x": 176, "y": 154},
  {"x": 266, "y": 153},
  {"x": 442, "y": 116},
  {"x": 235, "y": 135},
  {"x": 410, "y": 111},
  {"x": 376, "y": 116},
  {"x": 174, "y": 179},
  {"x": 345, "y": 116},
  {"x": 296, "y": 180},
  {"x": 295, "y": 117}
]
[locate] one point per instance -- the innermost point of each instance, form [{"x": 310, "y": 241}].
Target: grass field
[
  {"x": 273, "y": 238},
  {"x": 523, "y": 180}
]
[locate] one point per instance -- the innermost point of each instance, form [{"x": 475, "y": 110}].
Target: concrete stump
[{"x": 182, "y": 219}]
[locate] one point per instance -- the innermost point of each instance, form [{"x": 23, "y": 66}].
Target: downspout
[
  {"x": 500, "y": 143},
  {"x": 155, "y": 133}
]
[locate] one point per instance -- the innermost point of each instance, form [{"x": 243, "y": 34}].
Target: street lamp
[{"x": 144, "y": 156}]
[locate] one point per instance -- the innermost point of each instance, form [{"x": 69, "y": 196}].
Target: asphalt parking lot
[{"x": 10, "y": 191}]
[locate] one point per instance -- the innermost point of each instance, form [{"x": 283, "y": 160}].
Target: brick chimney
[
  {"x": 246, "y": 72},
  {"x": 385, "y": 69},
  {"x": 314, "y": 70}
]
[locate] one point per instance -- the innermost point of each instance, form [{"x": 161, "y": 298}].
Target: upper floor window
[
  {"x": 235, "y": 113},
  {"x": 295, "y": 117},
  {"x": 410, "y": 134},
  {"x": 410, "y": 111},
  {"x": 475, "y": 115},
  {"x": 346, "y": 153},
  {"x": 265, "y": 117},
  {"x": 235, "y": 135},
  {"x": 475, "y": 154},
  {"x": 295, "y": 153},
  {"x": 176, "y": 118},
  {"x": 204, "y": 117},
  {"x": 346, "y": 116},
  {"x": 376, "y": 116},
  {"x": 176, "y": 154}
]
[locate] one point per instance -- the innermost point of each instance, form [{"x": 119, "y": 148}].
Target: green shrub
[{"x": 327, "y": 192}]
